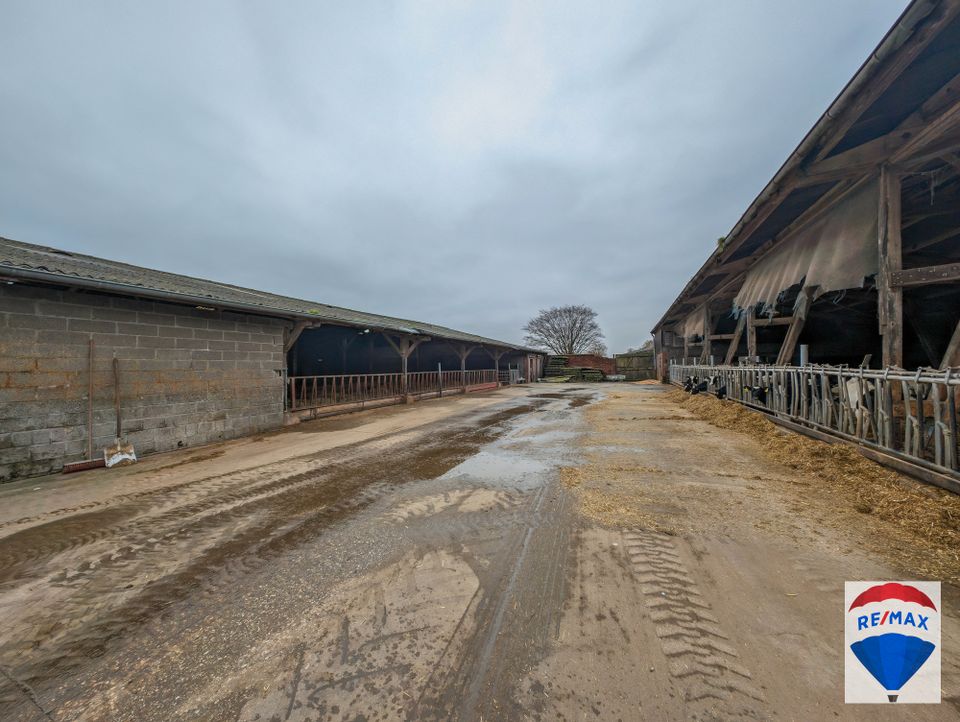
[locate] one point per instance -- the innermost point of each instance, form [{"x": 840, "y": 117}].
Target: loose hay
[
  {"x": 617, "y": 510},
  {"x": 927, "y": 518},
  {"x": 571, "y": 476}
]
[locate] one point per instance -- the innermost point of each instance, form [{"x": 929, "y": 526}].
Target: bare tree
[{"x": 566, "y": 330}]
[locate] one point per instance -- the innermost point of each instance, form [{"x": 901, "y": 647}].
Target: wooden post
[
  {"x": 496, "y": 356},
  {"x": 913, "y": 317},
  {"x": 462, "y": 351},
  {"x": 796, "y": 326},
  {"x": 406, "y": 346},
  {"x": 952, "y": 355},
  {"x": 889, "y": 296},
  {"x": 735, "y": 341},
  {"x": 751, "y": 334},
  {"x": 707, "y": 334}
]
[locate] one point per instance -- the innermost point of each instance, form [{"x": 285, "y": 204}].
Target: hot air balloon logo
[{"x": 893, "y": 642}]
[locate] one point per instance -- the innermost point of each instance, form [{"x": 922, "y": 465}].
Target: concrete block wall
[{"x": 187, "y": 376}]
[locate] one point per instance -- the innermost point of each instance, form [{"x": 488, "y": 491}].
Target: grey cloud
[{"x": 465, "y": 163}]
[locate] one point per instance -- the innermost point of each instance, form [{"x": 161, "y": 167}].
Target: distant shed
[{"x": 198, "y": 361}]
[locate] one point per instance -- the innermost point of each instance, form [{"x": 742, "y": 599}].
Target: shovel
[{"x": 121, "y": 453}]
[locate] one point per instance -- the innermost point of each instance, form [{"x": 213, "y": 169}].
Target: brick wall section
[
  {"x": 187, "y": 376},
  {"x": 589, "y": 360}
]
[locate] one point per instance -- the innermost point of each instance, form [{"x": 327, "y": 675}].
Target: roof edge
[
  {"x": 912, "y": 16},
  {"x": 124, "y": 289}
]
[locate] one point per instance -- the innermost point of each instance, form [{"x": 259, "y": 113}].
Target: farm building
[
  {"x": 87, "y": 344},
  {"x": 851, "y": 256}
]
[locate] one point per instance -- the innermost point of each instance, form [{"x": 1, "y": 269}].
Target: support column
[
  {"x": 290, "y": 337},
  {"x": 735, "y": 341},
  {"x": 404, "y": 348},
  {"x": 707, "y": 334},
  {"x": 796, "y": 326},
  {"x": 751, "y": 334},
  {"x": 952, "y": 355},
  {"x": 496, "y": 356},
  {"x": 890, "y": 296},
  {"x": 462, "y": 351}
]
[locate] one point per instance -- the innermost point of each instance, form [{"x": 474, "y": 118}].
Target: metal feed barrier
[
  {"x": 309, "y": 392},
  {"x": 911, "y": 415}
]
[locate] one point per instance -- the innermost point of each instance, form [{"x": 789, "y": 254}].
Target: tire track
[
  {"x": 20, "y": 551},
  {"x": 700, "y": 656},
  {"x": 229, "y": 535}
]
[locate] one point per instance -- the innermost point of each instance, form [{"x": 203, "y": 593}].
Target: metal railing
[
  {"x": 307, "y": 392},
  {"x": 911, "y": 414}
]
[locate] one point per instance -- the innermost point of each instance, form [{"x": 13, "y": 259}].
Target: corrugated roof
[{"x": 66, "y": 268}]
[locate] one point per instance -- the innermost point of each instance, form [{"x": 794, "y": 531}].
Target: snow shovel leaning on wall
[{"x": 121, "y": 453}]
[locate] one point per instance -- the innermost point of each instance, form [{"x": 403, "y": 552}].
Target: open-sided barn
[
  {"x": 850, "y": 255},
  {"x": 198, "y": 361}
]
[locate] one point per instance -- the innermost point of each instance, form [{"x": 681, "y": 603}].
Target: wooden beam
[
  {"x": 294, "y": 333},
  {"x": 952, "y": 355},
  {"x": 951, "y": 160},
  {"x": 916, "y": 218},
  {"x": 395, "y": 347},
  {"x": 776, "y": 321},
  {"x": 890, "y": 298},
  {"x": 735, "y": 341},
  {"x": 760, "y": 215},
  {"x": 932, "y": 241},
  {"x": 406, "y": 345},
  {"x": 910, "y": 313},
  {"x": 931, "y": 122},
  {"x": 911, "y": 277},
  {"x": 496, "y": 356},
  {"x": 708, "y": 322},
  {"x": 928, "y": 29},
  {"x": 796, "y": 326},
  {"x": 857, "y": 161},
  {"x": 751, "y": 334},
  {"x": 923, "y": 156}
]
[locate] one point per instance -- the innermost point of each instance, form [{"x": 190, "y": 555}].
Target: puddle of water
[
  {"x": 618, "y": 449},
  {"x": 541, "y": 436},
  {"x": 498, "y": 467}
]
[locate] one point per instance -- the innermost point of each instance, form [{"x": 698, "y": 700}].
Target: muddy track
[
  {"x": 20, "y": 551},
  {"x": 114, "y": 568},
  {"x": 512, "y": 618}
]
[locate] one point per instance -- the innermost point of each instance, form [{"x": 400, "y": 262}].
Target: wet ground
[{"x": 427, "y": 562}]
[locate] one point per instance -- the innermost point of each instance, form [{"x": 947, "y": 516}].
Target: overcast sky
[{"x": 464, "y": 163}]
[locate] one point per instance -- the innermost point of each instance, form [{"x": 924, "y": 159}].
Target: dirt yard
[{"x": 547, "y": 552}]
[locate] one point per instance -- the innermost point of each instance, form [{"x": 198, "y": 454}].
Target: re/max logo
[{"x": 888, "y": 617}]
